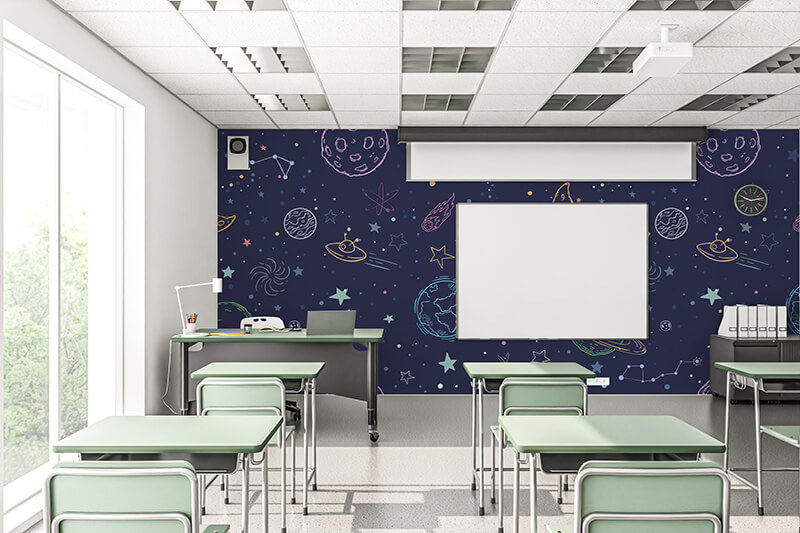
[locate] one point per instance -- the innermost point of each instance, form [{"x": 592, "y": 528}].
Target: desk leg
[
  {"x": 184, "y": 377},
  {"x": 515, "y": 497},
  {"x": 480, "y": 447},
  {"x": 265, "y": 493},
  {"x": 501, "y": 447},
  {"x": 726, "y": 455},
  {"x": 758, "y": 445},
  {"x": 534, "y": 519},
  {"x": 282, "y": 440},
  {"x": 372, "y": 391},
  {"x": 246, "y": 492},
  {"x": 474, "y": 429},
  {"x": 314, "y": 433},
  {"x": 305, "y": 448}
]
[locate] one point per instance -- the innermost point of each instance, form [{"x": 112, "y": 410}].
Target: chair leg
[
  {"x": 283, "y": 480},
  {"x": 202, "y": 480},
  {"x": 560, "y": 487},
  {"x": 566, "y": 482},
  {"x": 294, "y": 457},
  {"x": 227, "y": 488},
  {"x": 491, "y": 494}
]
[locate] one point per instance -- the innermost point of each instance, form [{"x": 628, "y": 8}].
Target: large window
[{"x": 61, "y": 249}]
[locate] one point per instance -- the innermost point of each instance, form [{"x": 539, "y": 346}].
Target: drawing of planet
[
  {"x": 604, "y": 346},
  {"x": 796, "y": 225},
  {"x": 718, "y": 250},
  {"x": 346, "y": 250},
  {"x": 230, "y": 314},
  {"x": 435, "y": 308},
  {"x": 592, "y": 348},
  {"x": 793, "y": 312},
  {"x": 299, "y": 223},
  {"x": 728, "y": 153},
  {"x": 671, "y": 223},
  {"x": 224, "y": 223},
  {"x": 354, "y": 153}
]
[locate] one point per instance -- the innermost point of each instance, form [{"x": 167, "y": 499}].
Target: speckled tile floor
[{"x": 416, "y": 478}]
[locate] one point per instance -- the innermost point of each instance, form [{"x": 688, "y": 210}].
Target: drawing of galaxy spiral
[
  {"x": 354, "y": 153},
  {"x": 653, "y": 275},
  {"x": 671, "y": 223},
  {"x": 728, "y": 153},
  {"x": 270, "y": 276}
]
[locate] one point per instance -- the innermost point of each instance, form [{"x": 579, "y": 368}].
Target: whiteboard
[{"x": 551, "y": 271}]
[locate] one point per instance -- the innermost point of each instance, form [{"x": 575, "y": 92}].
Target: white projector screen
[{"x": 551, "y": 271}]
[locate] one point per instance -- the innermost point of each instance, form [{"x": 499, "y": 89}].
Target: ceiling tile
[
  {"x": 272, "y": 83},
  {"x": 200, "y": 83},
  {"x": 223, "y": 127},
  {"x": 640, "y": 28},
  {"x": 682, "y": 84},
  {"x": 453, "y": 28},
  {"x": 288, "y": 118},
  {"x": 693, "y": 118},
  {"x": 781, "y": 102},
  {"x": 177, "y": 59},
  {"x": 140, "y": 29},
  {"x": 587, "y": 83},
  {"x": 557, "y": 29},
  {"x": 441, "y": 83},
  {"x": 349, "y": 119},
  {"x": 574, "y": 5},
  {"x": 532, "y": 59},
  {"x": 756, "y": 29},
  {"x": 498, "y": 118},
  {"x": 628, "y": 118},
  {"x": 755, "y": 119},
  {"x": 509, "y": 102},
  {"x": 364, "y": 102},
  {"x": 221, "y": 102},
  {"x": 793, "y": 123},
  {"x": 713, "y": 59},
  {"x": 343, "y": 5},
  {"x": 770, "y": 5},
  {"x": 563, "y": 118},
  {"x": 521, "y": 83},
  {"x": 356, "y": 60},
  {"x": 244, "y": 28},
  {"x": 361, "y": 83},
  {"x": 349, "y": 28},
  {"x": 115, "y": 5},
  {"x": 758, "y": 82},
  {"x": 432, "y": 118},
  {"x": 653, "y": 102},
  {"x": 254, "y": 118}
]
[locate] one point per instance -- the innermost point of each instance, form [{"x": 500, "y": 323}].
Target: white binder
[
  {"x": 761, "y": 321},
  {"x": 741, "y": 321},
  {"x": 728, "y": 326},
  {"x": 772, "y": 321},
  {"x": 752, "y": 321},
  {"x": 781, "y": 321}
]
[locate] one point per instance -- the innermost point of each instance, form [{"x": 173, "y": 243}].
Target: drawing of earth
[
  {"x": 728, "y": 153},
  {"x": 435, "y": 308},
  {"x": 793, "y": 312},
  {"x": 354, "y": 153},
  {"x": 230, "y": 314},
  {"x": 606, "y": 346},
  {"x": 671, "y": 223},
  {"x": 300, "y": 223}
]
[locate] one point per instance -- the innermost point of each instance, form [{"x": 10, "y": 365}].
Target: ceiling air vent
[
  {"x": 458, "y": 5},
  {"x": 446, "y": 59},
  {"x": 725, "y": 102},
  {"x": 610, "y": 60},
  {"x": 436, "y": 102},
  {"x": 687, "y": 5},
  {"x": 292, "y": 102},
  {"x": 580, "y": 102},
  {"x": 785, "y": 61},
  {"x": 264, "y": 59}
]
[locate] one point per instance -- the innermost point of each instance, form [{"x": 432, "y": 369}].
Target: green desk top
[
  {"x": 252, "y": 370},
  {"x": 790, "y": 434},
  {"x": 763, "y": 370},
  {"x": 359, "y": 335},
  {"x": 173, "y": 434},
  {"x": 518, "y": 370},
  {"x": 606, "y": 434}
]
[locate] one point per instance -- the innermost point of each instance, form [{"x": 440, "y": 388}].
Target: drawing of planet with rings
[
  {"x": 728, "y": 153},
  {"x": 597, "y": 347},
  {"x": 717, "y": 250},
  {"x": 354, "y": 153},
  {"x": 793, "y": 311},
  {"x": 671, "y": 223},
  {"x": 299, "y": 223},
  {"x": 346, "y": 250}
]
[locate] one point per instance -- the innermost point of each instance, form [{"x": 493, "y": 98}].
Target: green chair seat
[
  {"x": 214, "y": 528},
  {"x": 788, "y": 434},
  {"x": 560, "y": 529}
]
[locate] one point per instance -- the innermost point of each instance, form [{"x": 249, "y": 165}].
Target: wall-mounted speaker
[{"x": 239, "y": 153}]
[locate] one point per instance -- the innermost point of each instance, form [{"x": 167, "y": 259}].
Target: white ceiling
[{"x": 356, "y": 52}]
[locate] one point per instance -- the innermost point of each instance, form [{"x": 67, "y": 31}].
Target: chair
[
  {"x": 657, "y": 497},
  {"x": 530, "y": 396},
  {"x": 250, "y": 396},
  {"x": 124, "y": 497}
]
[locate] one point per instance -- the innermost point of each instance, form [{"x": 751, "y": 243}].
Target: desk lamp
[{"x": 216, "y": 287}]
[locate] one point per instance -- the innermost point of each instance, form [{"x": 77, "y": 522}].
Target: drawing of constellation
[
  {"x": 641, "y": 379},
  {"x": 380, "y": 199},
  {"x": 354, "y": 153},
  {"x": 439, "y": 214},
  {"x": 284, "y": 164}
]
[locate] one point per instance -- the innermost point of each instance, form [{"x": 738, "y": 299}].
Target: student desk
[
  {"x": 306, "y": 374},
  {"x": 489, "y": 376},
  {"x": 349, "y": 375},
  {"x": 768, "y": 378},
  {"x": 148, "y": 435},
  {"x": 594, "y": 434}
]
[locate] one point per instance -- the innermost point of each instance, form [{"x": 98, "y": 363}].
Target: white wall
[{"x": 171, "y": 189}]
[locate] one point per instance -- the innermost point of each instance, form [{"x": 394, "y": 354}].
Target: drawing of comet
[
  {"x": 562, "y": 194},
  {"x": 439, "y": 214},
  {"x": 270, "y": 276},
  {"x": 224, "y": 223}
]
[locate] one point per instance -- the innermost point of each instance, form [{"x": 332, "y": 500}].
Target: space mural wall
[{"x": 326, "y": 220}]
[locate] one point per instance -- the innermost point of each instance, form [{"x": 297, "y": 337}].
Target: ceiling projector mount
[{"x": 664, "y": 59}]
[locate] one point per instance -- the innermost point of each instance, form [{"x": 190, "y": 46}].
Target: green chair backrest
[
  {"x": 119, "y": 496},
  {"x": 240, "y": 396},
  {"x": 650, "y": 488},
  {"x": 542, "y": 396}
]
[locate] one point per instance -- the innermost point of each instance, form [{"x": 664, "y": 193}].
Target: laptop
[{"x": 330, "y": 322}]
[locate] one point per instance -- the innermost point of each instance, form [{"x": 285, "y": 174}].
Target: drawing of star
[
  {"x": 674, "y": 190},
  {"x": 227, "y": 272},
  {"x": 230, "y": 200},
  {"x": 264, "y": 220},
  {"x": 330, "y": 216},
  {"x": 632, "y": 194},
  {"x": 263, "y": 148},
  {"x": 540, "y": 357},
  {"x": 440, "y": 254},
  {"x": 261, "y": 195},
  {"x": 406, "y": 376},
  {"x": 277, "y": 307},
  {"x": 374, "y": 227},
  {"x": 389, "y": 319},
  {"x": 701, "y": 217},
  {"x": 793, "y": 156},
  {"x": 246, "y": 242},
  {"x": 448, "y": 363},
  {"x": 768, "y": 241},
  {"x": 340, "y": 296},
  {"x": 669, "y": 271},
  {"x": 711, "y": 296},
  {"x": 597, "y": 367},
  {"x": 398, "y": 241},
  {"x": 303, "y": 190},
  {"x": 298, "y": 271},
  {"x": 746, "y": 227}
]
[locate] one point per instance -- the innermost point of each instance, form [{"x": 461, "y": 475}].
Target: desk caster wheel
[
  {"x": 305, "y": 511},
  {"x": 373, "y": 436},
  {"x": 560, "y": 501},
  {"x": 473, "y": 486},
  {"x": 314, "y": 486},
  {"x": 760, "y": 511},
  {"x": 492, "y": 500},
  {"x": 227, "y": 501},
  {"x": 293, "y": 502},
  {"x": 481, "y": 511}
]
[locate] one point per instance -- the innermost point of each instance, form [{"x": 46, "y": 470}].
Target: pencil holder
[{"x": 190, "y": 327}]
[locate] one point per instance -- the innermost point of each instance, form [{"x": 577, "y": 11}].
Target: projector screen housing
[{"x": 551, "y": 271}]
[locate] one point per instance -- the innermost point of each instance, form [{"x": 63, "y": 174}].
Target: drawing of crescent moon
[
  {"x": 224, "y": 223},
  {"x": 562, "y": 194}
]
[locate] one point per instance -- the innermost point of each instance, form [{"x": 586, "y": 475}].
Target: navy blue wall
[{"x": 282, "y": 251}]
